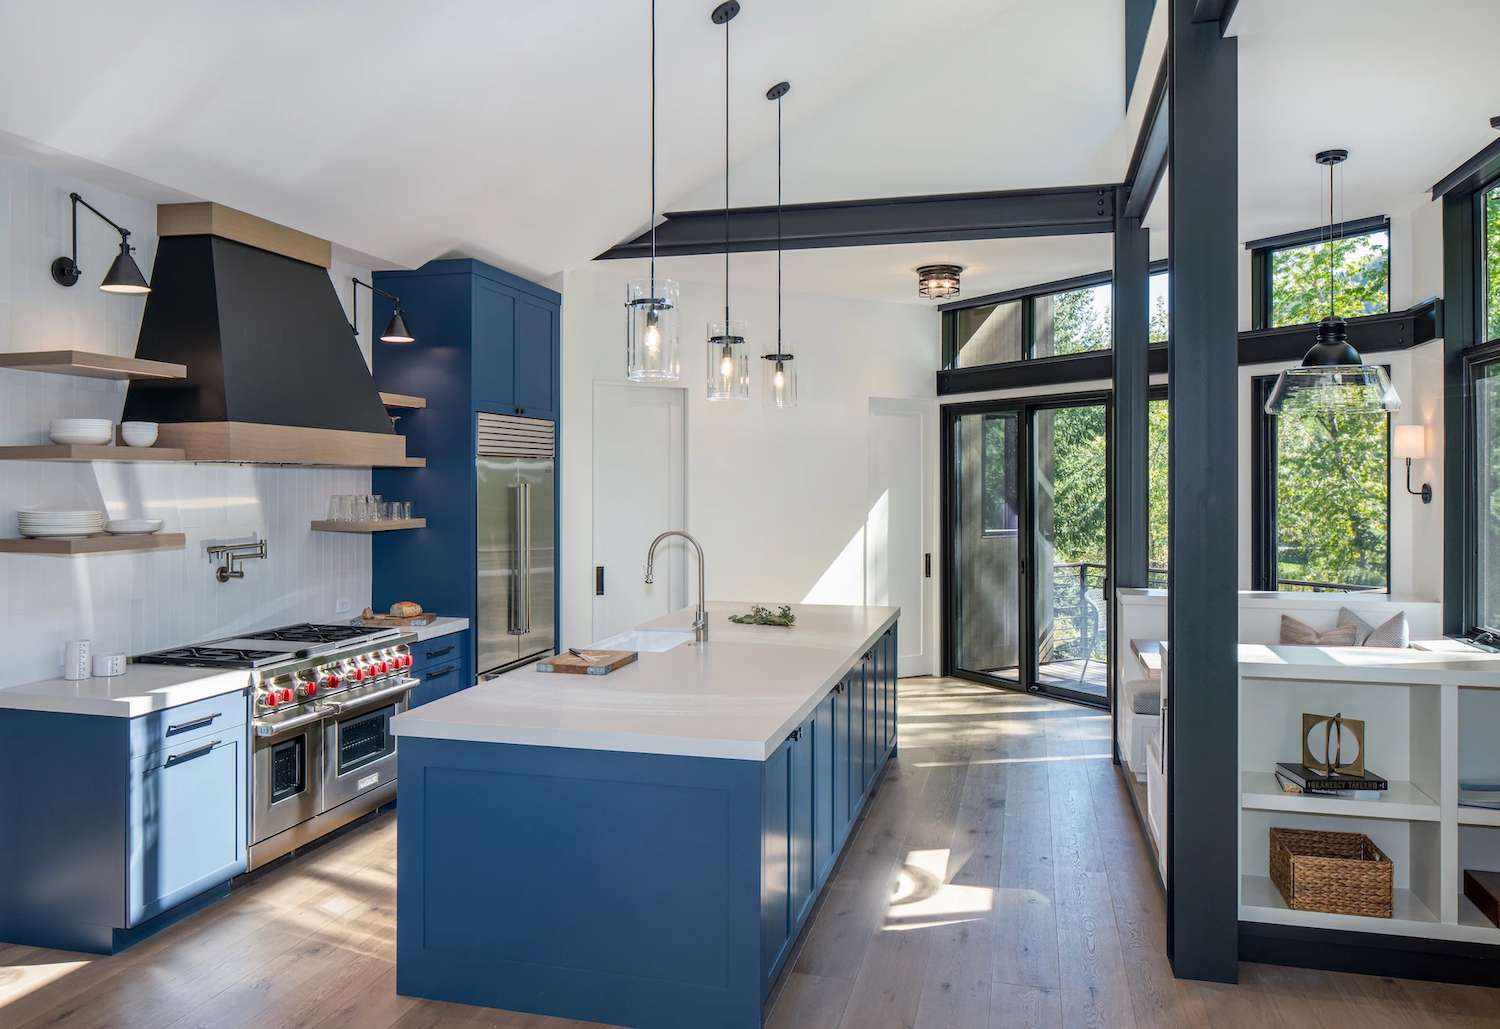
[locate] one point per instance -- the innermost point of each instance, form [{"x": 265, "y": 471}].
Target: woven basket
[{"x": 1340, "y": 873}]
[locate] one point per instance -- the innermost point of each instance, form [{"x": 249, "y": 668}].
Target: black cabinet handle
[
  {"x": 795, "y": 736},
  {"x": 926, "y": 566},
  {"x": 598, "y": 580},
  {"x": 439, "y": 675},
  {"x": 173, "y": 730},
  {"x": 182, "y": 759},
  {"x": 433, "y": 655}
]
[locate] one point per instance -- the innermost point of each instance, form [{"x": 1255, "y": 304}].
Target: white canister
[
  {"x": 108, "y": 665},
  {"x": 76, "y": 660}
]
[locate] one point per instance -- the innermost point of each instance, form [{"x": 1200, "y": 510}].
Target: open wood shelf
[
  {"x": 1478, "y": 816},
  {"x": 78, "y": 452},
  {"x": 94, "y": 544},
  {"x": 410, "y": 462},
  {"x": 1261, "y": 901},
  {"x": 405, "y": 401},
  {"x": 388, "y": 525},
  {"x": 93, "y": 366},
  {"x": 1260, "y": 792}
]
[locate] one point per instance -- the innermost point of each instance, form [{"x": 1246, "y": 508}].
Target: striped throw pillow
[
  {"x": 1300, "y": 634},
  {"x": 1393, "y": 633}
]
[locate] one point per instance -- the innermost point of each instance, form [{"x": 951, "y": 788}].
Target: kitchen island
[{"x": 640, "y": 848}]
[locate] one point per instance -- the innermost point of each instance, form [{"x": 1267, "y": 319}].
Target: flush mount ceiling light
[
  {"x": 1333, "y": 376},
  {"x": 651, "y": 349},
  {"x": 938, "y": 281},
  {"x": 395, "y": 329},
  {"x": 124, "y": 275},
  {"x": 728, "y": 362},
  {"x": 781, "y": 371}
]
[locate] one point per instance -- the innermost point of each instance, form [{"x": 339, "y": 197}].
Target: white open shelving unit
[{"x": 1428, "y": 723}]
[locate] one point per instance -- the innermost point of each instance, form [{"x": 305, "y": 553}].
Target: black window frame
[
  {"x": 1481, "y": 353},
  {"x": 1264, "y": 566},
  {"x": 1028, "y": 296},
  {"x": 1262, "y": 250}
]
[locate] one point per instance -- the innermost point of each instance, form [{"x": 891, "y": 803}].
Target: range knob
[
  {"x": 359, "y": 673},
  {"x": 308, "y": 686},
  {"x": 269, "y": 698},
  {"x": 328, "y": 681}
]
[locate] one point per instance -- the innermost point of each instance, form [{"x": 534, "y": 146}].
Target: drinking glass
[{"x": 405, "y": 506}]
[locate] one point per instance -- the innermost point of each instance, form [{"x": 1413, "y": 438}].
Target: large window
[
  {"x": 1490, "y": 261},
  {"x": 1293, "y": 276},
  {"x": 1073, "y": 321},
  {"x": 1156, "y": 496},
  {"x": 1486, "y": 379},
  {"x": 988, "y": 334},
  {"x": 1322, "y": 499},
  {"x": 1000, "y": 499}
]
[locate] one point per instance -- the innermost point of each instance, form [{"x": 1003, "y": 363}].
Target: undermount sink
[{"x": 650, "y": 641}]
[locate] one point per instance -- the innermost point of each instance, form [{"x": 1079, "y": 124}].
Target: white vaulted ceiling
[{"x": 515, "y": 131}]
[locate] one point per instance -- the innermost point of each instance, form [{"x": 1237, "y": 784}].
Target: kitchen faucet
[{"x": 700, "y": 620}]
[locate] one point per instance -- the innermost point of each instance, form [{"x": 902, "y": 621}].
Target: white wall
[
  {"x": 146, "y": 601},
  {"x": 776, "y": 497}
]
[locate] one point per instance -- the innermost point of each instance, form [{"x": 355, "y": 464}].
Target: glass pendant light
[
  {"x": 651, "y": 350},
  {"x": 728, "y": 360},
  {"x": 1333, "y": 376},
  {"x": 781, "y": 369}
]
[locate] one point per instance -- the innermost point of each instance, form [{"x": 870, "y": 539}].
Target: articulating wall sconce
[
  {"x": 124, "y": 275},
  {"x": 395, "y": 330},
  {"x": 1411, "y": 443}
]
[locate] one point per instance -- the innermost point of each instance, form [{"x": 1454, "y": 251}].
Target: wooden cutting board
[
  {"x": 603, "y": 662},
  {"x": 396, "y": 622}
]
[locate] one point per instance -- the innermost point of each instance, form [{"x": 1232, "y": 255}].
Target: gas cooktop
[
  {"x": 213, "y": 657},
  {"x": 308, "y": 632},
  {"x": 268, "y": 646}
]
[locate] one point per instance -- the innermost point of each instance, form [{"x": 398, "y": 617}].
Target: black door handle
[
  {"x": 926, "y": 566},
  {"x": 598, "y": 580},
  {"x": 181, "y": 759},
  {"x": 173, "y": 730}
]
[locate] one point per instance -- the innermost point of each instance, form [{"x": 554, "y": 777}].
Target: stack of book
[
  {"x": 1478, "y": 794},
  {"x": 1298, "y": 778}
]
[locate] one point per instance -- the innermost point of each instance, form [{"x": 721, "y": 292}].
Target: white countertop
[
  {"x": 1368, "y": 664},
  {"x": 736, "y": 696},
  {"x": 140, "y": 691},
  {"x": 147, "y": 688}
]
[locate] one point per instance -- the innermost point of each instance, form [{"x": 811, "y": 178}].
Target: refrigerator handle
[
  {"x": 525, "y": 556},
  {"x": 513, "y": 623}
]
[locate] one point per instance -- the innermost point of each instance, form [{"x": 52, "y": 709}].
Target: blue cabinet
[
  {"x": 487, "y": 341},
  {"x": 443, "y": 664},
  {"x": 826, "y": 829}
]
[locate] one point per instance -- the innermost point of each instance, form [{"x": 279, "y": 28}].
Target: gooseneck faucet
[{"x": 700, "y": 620}]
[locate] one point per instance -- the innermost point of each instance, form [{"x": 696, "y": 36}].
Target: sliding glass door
[{"x": 1027, "y": 544}]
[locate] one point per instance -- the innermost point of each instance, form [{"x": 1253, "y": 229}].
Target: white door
[
  {"x": 638, "y": 492},
  {"x": 900, "y": 518}
]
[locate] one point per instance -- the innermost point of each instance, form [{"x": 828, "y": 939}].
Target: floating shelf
[
  {"x": 404, "y": 401},
  {"x": 1260, "y": 792},
  {"x": 92, "y": 366},
  {"x": 76, "y": 452},
  {"x": 389, "y": 525},
  {"x": 94, "y": 544},
  {"x": 1478, "y": 816},
  {"x": 410, "y": 462}
]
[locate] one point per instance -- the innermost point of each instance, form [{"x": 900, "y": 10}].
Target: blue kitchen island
[{"x": 642, "y": 848}]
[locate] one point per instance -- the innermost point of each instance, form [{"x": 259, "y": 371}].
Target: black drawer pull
[
  {"x": 433, "y": 655},
  {"x": 795, "y": 736},
  {"x": 838, "y": 687},
  {"x": 181, "y": 759},
  {"x": 199, "y": 723},
  {"x": 439, "y": 675}
]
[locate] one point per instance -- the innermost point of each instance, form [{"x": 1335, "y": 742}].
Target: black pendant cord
[
  {"x": 1332, "y": 297},
  {"x": 653, "y": 148},
  {"x": 727, "y": 333},
  {"x": 779, "y": 348}
]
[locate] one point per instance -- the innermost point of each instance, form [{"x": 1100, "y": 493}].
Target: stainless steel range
[{"x": 321, "y": 750}]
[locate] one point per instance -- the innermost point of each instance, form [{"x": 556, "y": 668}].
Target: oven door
[
  {"x": 359, "y": 748},
  {"x": 287, "y": 760}
]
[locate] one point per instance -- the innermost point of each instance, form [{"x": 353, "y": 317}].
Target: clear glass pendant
[
  {"x": 728, "y": 361},
  {"x": 652, "y": 353},
  {"x": 1333, "y": 377},
  {"x": 780, "y": 378}
]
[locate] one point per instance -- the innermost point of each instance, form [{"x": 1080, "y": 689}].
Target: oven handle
[
  {"x": 265, "y": 730},
  {"x": 374, "y": 699}
]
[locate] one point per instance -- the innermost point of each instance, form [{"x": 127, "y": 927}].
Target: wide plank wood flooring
[{"x": 997, "y": 880}]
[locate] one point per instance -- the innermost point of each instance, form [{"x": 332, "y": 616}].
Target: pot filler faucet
[{"x": 700, "y": 619}]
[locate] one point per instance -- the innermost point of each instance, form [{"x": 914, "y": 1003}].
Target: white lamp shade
[{"x": 1410, "y": 442}]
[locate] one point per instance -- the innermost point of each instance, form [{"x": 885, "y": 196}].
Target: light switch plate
[{"x": 343, "y": 606}]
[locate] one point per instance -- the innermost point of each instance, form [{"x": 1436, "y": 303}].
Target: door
[
  {"x": 539, "y": 624},
  {"x": 496, "y": 479},
  {"x": 897, "y": 568},
  {"x": 638, "y": 493},
  {"x": 494, "y": 346},
  {"x": 536, "y": 346}
]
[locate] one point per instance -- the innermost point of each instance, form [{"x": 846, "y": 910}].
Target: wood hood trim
[
  {"x": 210, "y": 219},
  {"x": 257, "y": 443}
]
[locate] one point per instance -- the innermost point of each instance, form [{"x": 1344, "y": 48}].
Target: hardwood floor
[{"x": 997, "y": 880}]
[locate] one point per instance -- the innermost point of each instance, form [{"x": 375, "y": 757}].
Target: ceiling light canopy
[
  {"x": 938, "y": 281},
  {"x": 1333, "y": 376}
]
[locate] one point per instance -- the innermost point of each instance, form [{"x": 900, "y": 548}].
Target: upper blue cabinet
[{"x": 496, "y": 331}]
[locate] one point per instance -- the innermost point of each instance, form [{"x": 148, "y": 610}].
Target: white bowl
[
  {"x": 82, "y": 431},
  {"x": 132, "y": 526},
  {"x": 138, "y": 434}
]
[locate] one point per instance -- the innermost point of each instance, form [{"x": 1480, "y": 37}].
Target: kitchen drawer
[
  {"x": 443, "y": 649},
  {"x": 187, "y": 723},
  {"x": 438, "y": 681}
]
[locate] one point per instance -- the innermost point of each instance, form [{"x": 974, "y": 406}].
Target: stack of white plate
[{"x": 60, "y": 522}]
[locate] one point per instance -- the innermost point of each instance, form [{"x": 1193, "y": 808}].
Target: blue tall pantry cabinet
[{"x": 487, "y": 341}]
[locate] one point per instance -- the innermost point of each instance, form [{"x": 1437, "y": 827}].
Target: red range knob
[
  {"x": 333, "y": 680},
  {"x": 406, "y": 661},
  {"x": 358, "y": 675},
  {"x": 383, "y": 667},
  {"x": 270, "y": 699},
  {"x": 310, "y": 689},
  {"x": 286, "y": 695}
]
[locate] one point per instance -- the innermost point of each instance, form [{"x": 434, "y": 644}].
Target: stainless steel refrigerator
[{"x": 515, "y": 471}]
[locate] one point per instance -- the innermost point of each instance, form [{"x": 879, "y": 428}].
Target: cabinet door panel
[
  {"x": 824, "y": 785},
  {"x": 855, "y": 688},
  {"x": 536, "y": 347},
  {"x": 841, "y": 753},
  {"x": 803, "y": 869},
  {"x": 775, "y": 877},
  {"x": 494, "y": 347},
  {"x": 186, "y": 822}
]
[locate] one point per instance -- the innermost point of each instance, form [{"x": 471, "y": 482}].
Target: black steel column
[
  {"x": 1460, "y": 330},
  {"x": 1202, "y": 612},
  {"x": 1130, "y": 487}
]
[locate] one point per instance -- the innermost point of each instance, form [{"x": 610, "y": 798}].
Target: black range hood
[{"x": 269, "y": 353}]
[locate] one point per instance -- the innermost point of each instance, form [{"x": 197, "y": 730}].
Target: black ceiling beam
[
  {"x": 1370, "y": 334},
  {"x": 1148, "y": 161},
  {"x": 1064, "y": 211},
  {"x": 1214, "y": 10},
  {"x": 1473, "y": 173}
]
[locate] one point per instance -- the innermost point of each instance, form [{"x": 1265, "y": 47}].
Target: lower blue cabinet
[
  {"x": 443, "y": 666},
  {"x": 776, "y": 863},
  {"x": 825, "y": 786}
]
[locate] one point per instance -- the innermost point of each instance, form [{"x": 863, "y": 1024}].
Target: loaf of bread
[{"x": 406, "y": 609}]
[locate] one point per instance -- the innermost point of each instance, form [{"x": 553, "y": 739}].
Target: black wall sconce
[
  {"x": 395, "y": 329},
  {"x": 124, "y": 275},
  {"x": 1411, "y": 443}
]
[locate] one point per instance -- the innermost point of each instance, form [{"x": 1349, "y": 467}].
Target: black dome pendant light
[
  {"x": 728, "y": 365},
  {"x": 781, "y": 377},
  {"x": 1333, "y": 375}
]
